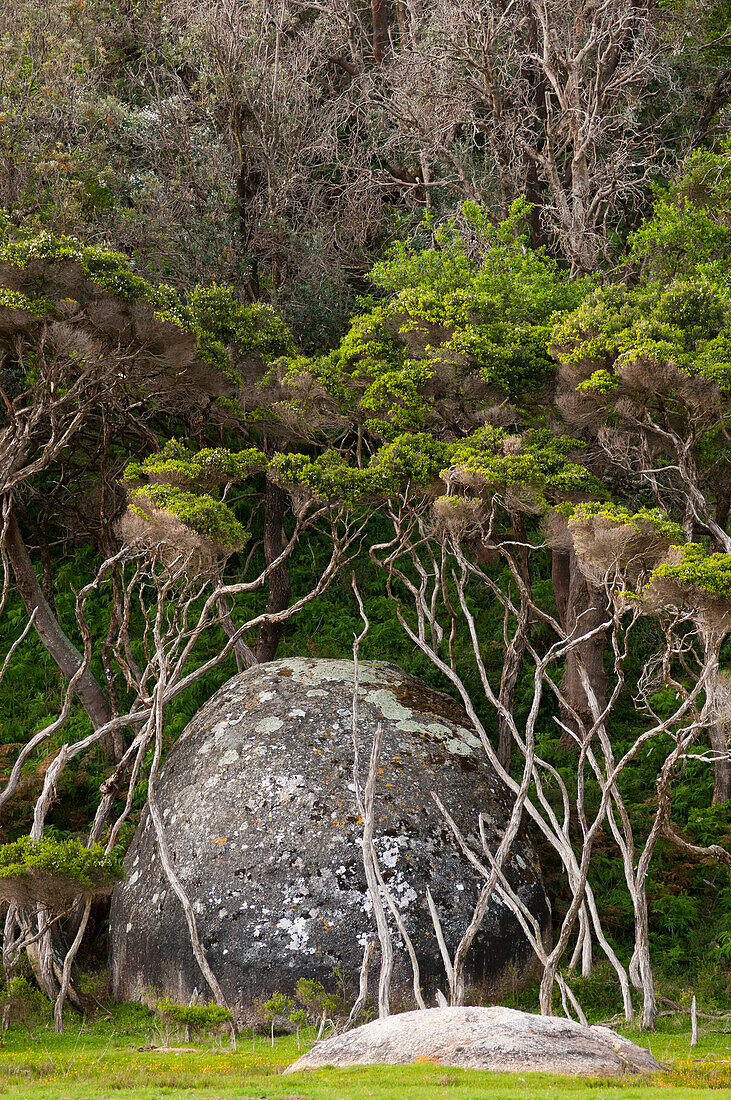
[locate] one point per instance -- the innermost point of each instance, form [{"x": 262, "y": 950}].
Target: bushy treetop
[
  {"x": 684, "y": 325},
  {"x": 458, "y": 325},
  {"x": 52, "y": 871},
  {"x": 689, "y": 232},
  {"x": 223, "y": 331}
]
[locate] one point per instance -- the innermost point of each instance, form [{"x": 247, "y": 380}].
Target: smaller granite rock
[{"x": 499, "y": 1039}]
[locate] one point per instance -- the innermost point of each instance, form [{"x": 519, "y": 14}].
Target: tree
[
  {"x": 645, "y": 373},
  {"x": 169, "y": 571},
  {"x": 461, "y": 340},
  {"x": 93, "y": 366},
  {"x": 102, "y": 353},
  {"x": 50, "y": 877},
  {"x": 461, "y": 499}
]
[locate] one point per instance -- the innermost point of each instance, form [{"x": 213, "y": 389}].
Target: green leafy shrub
[
  {"x": 23, "y": 1003},
  {"x": 54, "y": 872},
  {"x": 277, "y": 1005},
  {"x": 201, "y": 513},
  {"x": 194, "y": 1019},
  {"x": 313, "y": 996},
  {"x": 693, "y": 567}
]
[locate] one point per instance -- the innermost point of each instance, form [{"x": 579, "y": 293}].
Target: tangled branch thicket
[
  {"x": 435, "y": 585},
  {"x": 162, "y": 610}
]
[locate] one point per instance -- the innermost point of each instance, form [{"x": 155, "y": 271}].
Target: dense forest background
[{"x": 269, "y": 268}]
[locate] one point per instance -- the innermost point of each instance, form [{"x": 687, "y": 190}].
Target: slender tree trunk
[
  {"x": 580, "y": 609},
  {"x": 380, "y": 30},
  {"x": 718, "y": 738},
  {"x": 40, "y": 950},
  {"x": 536, "y": 84},
  {"x": 513, "y": 661},
  {"x": 67, "y": 964},
  {"x": 279, "y": 585},
  {"x": 244, "y": 656},
  {"x": 718, "y": 97},
  {"x": 90, "y": 693}
]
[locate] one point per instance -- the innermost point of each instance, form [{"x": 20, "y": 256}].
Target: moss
[{"x": 425, "y": 700}]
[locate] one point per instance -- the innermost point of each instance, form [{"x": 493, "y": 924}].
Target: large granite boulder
[
  {"x": 257, "y": 800},
  {"x": 498, "y": 1039}
]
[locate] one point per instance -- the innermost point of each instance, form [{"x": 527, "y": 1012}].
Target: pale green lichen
[{"x": 269, "y": 725}]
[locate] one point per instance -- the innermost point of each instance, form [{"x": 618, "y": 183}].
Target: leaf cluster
[
  {"x": 695, "y": 567},
  {"x": 51, "y": 870},
  {"x": 195, "y": 1017}
]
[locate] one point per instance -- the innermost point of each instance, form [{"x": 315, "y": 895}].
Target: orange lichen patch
[{"x": 220, "y": 839}]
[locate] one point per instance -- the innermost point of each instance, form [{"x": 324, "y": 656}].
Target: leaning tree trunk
[
  {"x": 90, "y": 693},
  {"x": 581, "y": 609},
  {"x": 279, "y": 586},
  {"x": 514, "y": 653}
]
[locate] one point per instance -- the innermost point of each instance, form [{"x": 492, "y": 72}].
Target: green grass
[{"x": 106, "y": 1059}]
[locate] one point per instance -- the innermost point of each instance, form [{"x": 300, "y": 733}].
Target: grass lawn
[{"x": 107, "y": 1059}]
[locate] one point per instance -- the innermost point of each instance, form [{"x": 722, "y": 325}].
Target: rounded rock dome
[{"x": 257, "y": 799}]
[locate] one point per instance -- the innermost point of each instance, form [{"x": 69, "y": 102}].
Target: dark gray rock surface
[
  {"x": 499, "y": 1039},
  {"x": 257, "y": 799}
]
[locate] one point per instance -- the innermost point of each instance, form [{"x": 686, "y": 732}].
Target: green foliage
[
  {"x": 277, "y": 1005},
  {"x": 225, "y": 329},
  {"x": 621, "y": 515},
  {"x": 490, "y": 298},
  {"x": 200, "y": 512},
  {"x": 103, "y": 266},
  {"x": 197, "y": 1018},
  {"x": 314, "y": 997},
  {"x": 68, "y": 864},
  {"x": 540, "y": 461},
  {"x": 177, "y": 464},
  {"x": 689, "y": 232},
  {"x": 14, "y": 299},
  {"x": 601, "y": 381},
  {"x": 220, "y": 320},
  {"x": 473, "y": 311},
  {"x": 154, "y": 486},
  {"x": 696, "y": 568},
  {"x": 25, "y": 1001},
  {"x": 684, "y": 325}
]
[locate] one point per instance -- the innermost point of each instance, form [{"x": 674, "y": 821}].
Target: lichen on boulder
[{"x": 258, "y": 802}]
